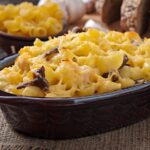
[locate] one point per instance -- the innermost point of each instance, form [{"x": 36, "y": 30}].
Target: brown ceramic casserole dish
[
  {"x": 60, "y": 118},
  {"x": 12, "y": 43}
]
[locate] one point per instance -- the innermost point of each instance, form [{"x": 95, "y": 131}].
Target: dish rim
[
  {"x": 18, "y": 37},
  {"x": 7, "y": 97},
  {"x": 29, "y": 39}
]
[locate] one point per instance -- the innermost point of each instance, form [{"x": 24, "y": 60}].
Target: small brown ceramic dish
[
  {"x": 12, "y": 43},
  {"x": 60, "y": 118}
]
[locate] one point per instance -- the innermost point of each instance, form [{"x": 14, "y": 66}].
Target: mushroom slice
[{"x": 39, "y": 80}]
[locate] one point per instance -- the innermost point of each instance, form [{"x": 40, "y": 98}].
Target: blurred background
[{"x": 118, "y": 15}]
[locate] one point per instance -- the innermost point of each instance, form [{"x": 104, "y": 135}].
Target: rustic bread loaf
[
  {"x": 109, "y": 10},
  {"x": 134, "y": 15}
]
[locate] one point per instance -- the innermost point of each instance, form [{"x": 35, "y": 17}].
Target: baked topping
[
  {"x": 112, "y": 75},
  {"x": 87, "y": 63},
  {"x": 49, "y": 53},
  {"x": 125, "y": 60},
  {"x": 39, "y": 80},
  {"x": 140, "y": 81}
]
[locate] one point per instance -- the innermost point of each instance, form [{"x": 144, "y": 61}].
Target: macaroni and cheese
[
  {"x": 79, "y": 64},
  {"x": 29, "y": 20}
]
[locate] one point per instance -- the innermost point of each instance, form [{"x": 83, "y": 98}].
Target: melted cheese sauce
[{"x": 79, "y": 64}]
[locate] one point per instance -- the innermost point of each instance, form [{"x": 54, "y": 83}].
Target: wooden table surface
[{"x": 134, "y": 137}]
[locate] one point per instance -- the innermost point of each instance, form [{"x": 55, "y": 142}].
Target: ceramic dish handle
[{"x": 7, "y": 61}]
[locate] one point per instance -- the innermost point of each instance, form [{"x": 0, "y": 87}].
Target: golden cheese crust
[{"x": 79, "y": 64}]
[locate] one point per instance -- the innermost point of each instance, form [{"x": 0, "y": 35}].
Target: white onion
[
  {"x": 93, "y": 24},
  {"x": 73, "y": 9}
]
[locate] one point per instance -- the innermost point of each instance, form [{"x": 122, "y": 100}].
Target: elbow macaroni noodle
[
  {"x": 29, "y": 20},
  {"x": 80, "y": 64}
]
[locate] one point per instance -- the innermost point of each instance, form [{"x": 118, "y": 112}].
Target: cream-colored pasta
[
  {"x": 79, "y": 64},
  {"x": 12, "y": 26},
  {"x": 26, "y": 19},
  {"x": 33, "y": 91}
]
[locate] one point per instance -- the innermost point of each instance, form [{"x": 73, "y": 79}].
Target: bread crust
[
  {"x": 99, "y": 6},
  {"x": 130, "y": 15},
  {"x": 109, "y": 10}
]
